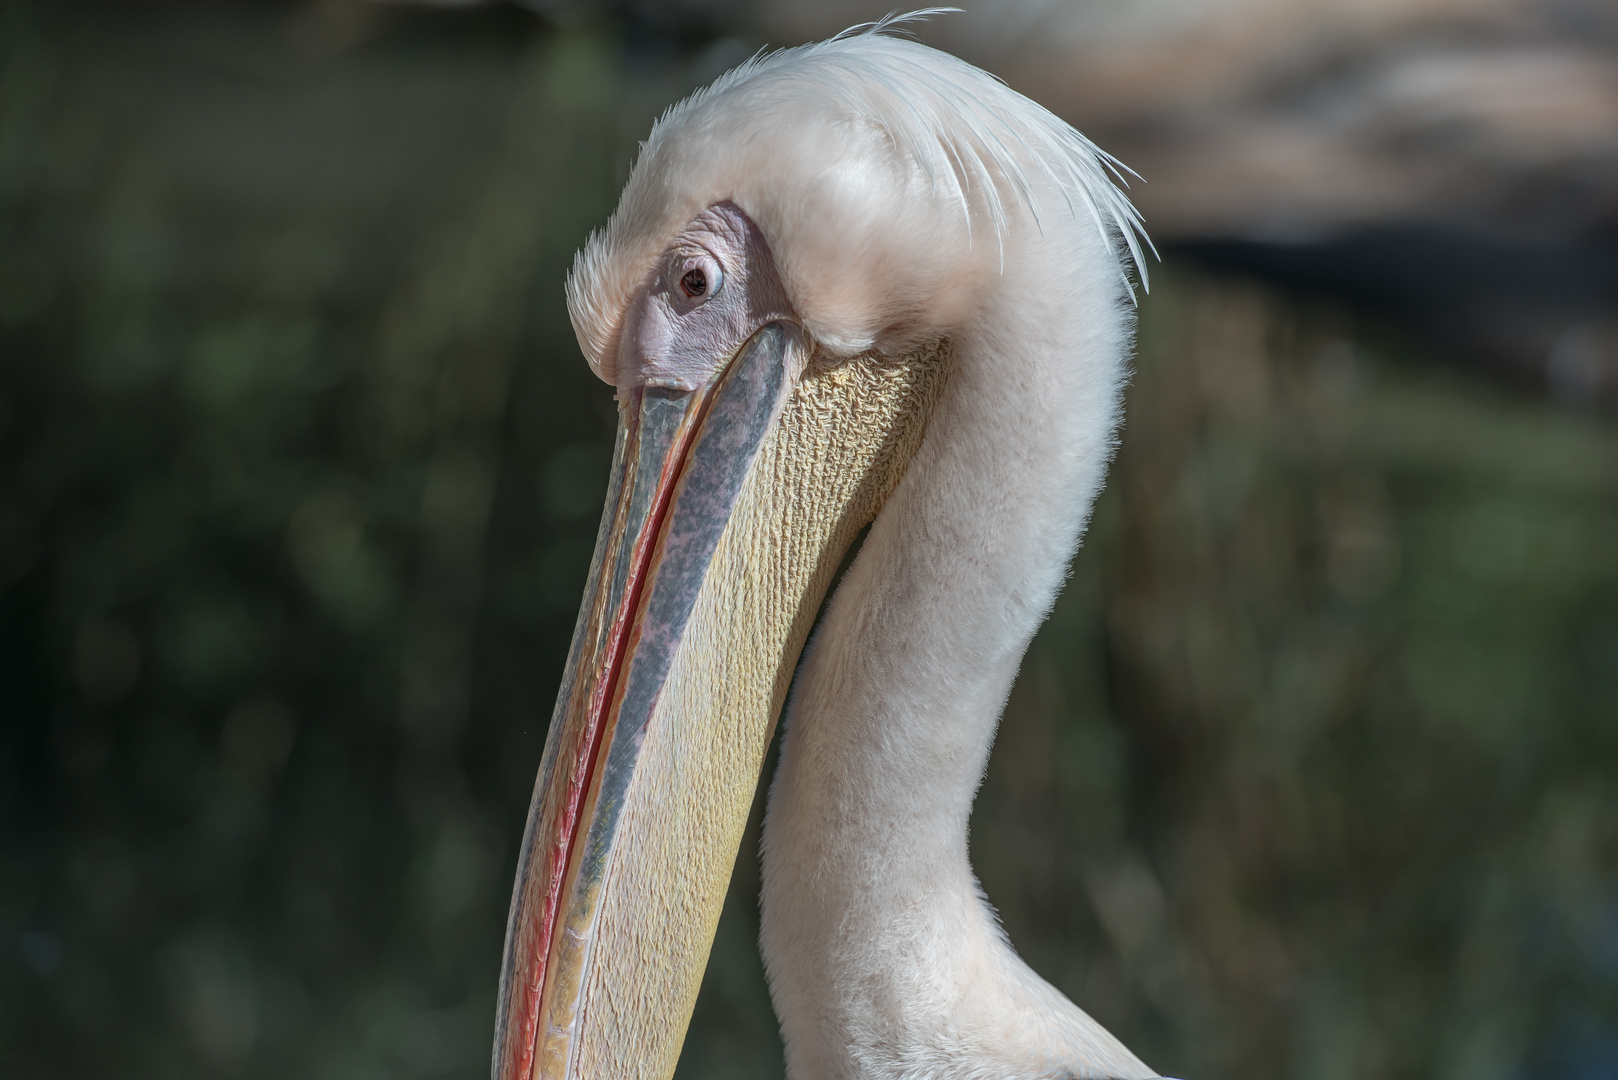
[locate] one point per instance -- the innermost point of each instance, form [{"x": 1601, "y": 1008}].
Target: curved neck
[{"x": 883, "y": 958}]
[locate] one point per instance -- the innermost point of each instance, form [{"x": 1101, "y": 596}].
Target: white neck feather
[
  {"x": 883, "y": 957},
  {"x": 899, "y": 188}
]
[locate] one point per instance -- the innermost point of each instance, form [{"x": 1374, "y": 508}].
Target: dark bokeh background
[{"x": 1311, "y": 774}]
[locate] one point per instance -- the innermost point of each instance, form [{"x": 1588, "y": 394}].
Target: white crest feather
[{"x": 797, "y": 138}]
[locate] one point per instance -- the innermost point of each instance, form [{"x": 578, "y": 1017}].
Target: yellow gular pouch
[{"x": 843, "y": 441}]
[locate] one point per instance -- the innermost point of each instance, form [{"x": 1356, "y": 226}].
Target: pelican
[{"x": 856, "y": 283}]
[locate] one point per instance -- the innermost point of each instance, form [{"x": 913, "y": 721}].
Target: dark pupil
[{"x": 695, "y": 283}]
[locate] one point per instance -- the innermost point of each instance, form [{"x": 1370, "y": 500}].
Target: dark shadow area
[{"x": 1542, "y": 315}]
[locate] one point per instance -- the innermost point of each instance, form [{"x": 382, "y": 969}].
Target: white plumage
[
  {"x": 907, "y": 197},
  {"x": 854, "y": 156}
]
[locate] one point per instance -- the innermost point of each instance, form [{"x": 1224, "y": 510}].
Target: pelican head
[{"x": 855, "y": 283}]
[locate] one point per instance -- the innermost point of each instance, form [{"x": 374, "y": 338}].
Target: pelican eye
[{"x": 700, "y": 278}]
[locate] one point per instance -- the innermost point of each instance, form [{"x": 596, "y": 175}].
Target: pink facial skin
[{"x": 711, "y": 290}]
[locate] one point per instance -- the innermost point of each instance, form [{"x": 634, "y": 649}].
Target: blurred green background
[{"x": 1310, "y": 775}]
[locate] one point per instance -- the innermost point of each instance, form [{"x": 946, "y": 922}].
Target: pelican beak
[{"x": 728, "y": 510}]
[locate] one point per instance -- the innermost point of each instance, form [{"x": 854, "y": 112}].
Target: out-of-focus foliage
[
  {"x": 298, "y": 490},
  {"x": 1310, "y": 775}
]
